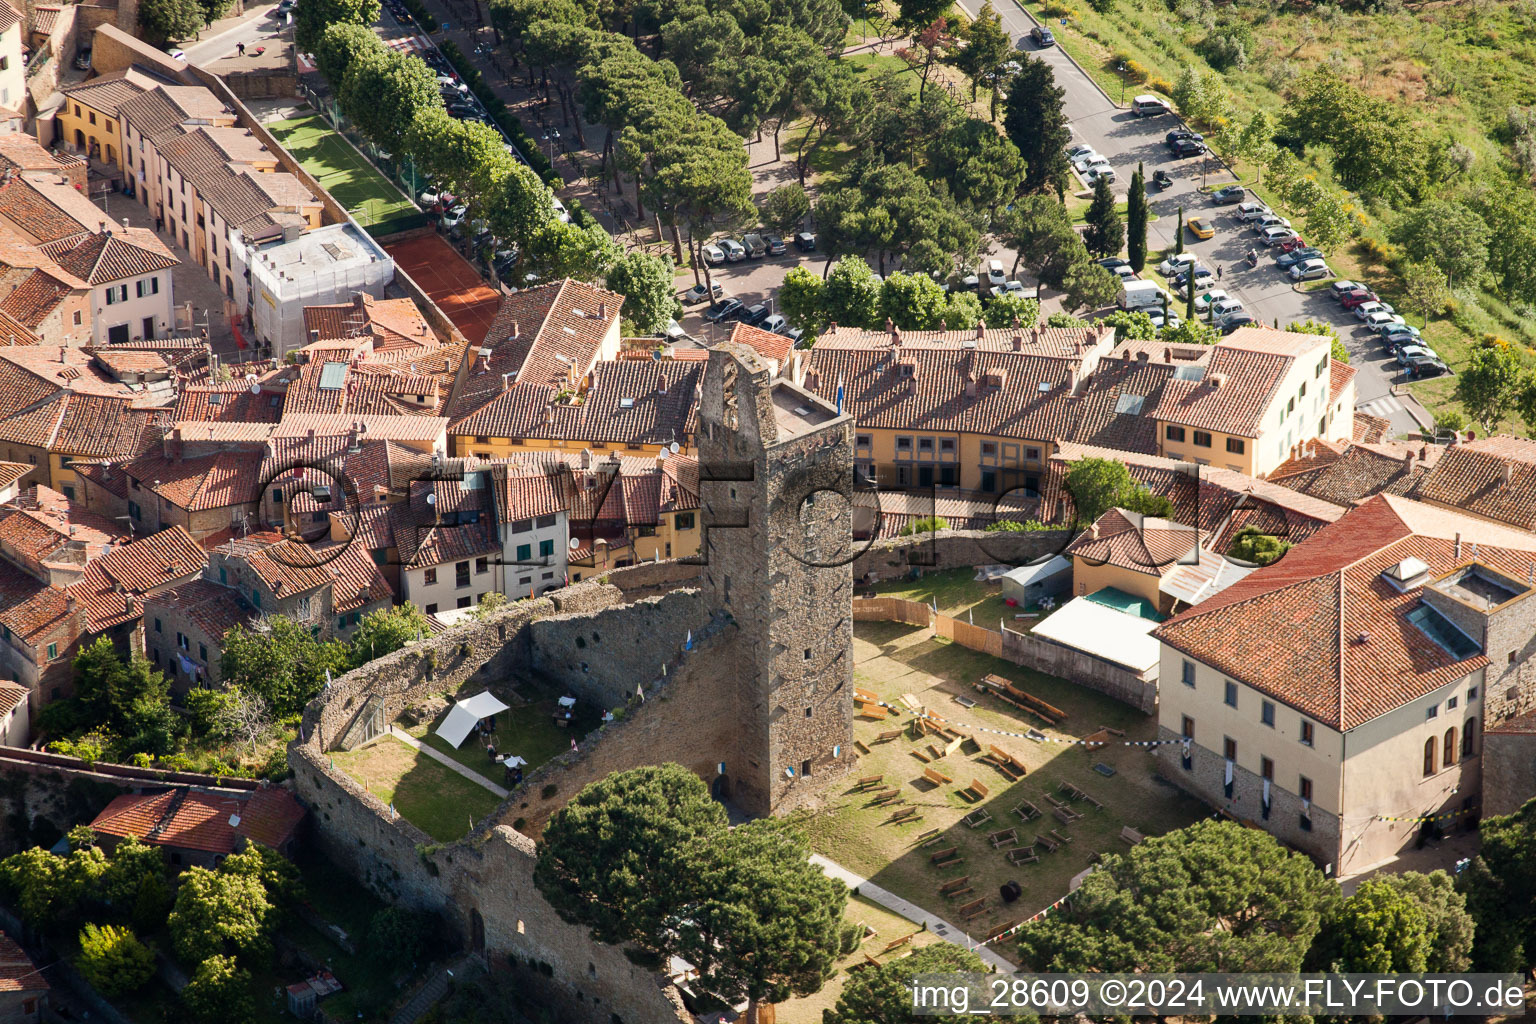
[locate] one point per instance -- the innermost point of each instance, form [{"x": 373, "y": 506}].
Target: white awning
[
  {"x": 567, "y": 702},
  {"x": 1024, "y": 575},
  {"x": 462, "y": 718},
  {"x": 1094, "y": 629}
]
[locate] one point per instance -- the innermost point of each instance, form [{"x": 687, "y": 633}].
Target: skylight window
[{"x": 1443, "y": 632}]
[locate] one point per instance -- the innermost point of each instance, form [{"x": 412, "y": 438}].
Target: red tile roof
[
  {"x": 197, "y": 484},
  {"x": 112, "y": 256},
  {"x": 1357, "y": 472},
  {"x": 1321, "y": 631},
  {"x": 773, "y": 346},
  {"x": 214, "y": 609},
  {"x": 229, "y": 403},
  {"x": 1129, "y": 540},
  {"x": 135, "y": 569},
  {"x": 17, "y": 972},
  {"x": 12, "y": 696},
  {"x": 193, "y": 819},
  {"x": 1240, "y": 382},
  {"x": 1493, "y": 478}
]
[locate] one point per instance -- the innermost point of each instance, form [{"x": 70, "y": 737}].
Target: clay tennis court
[{"x": 451, "y": 282}]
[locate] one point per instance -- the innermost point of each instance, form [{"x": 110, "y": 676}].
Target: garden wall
[{"x": 955, "y": 549}]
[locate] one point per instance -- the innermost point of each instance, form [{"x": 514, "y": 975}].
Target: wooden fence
[{"x": 892, "y": 609}]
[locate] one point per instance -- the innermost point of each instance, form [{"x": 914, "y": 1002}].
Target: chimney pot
[
  {"x": 981, "y": 329},
  {"x": 1093, "y": 531},
  {"x": 1423, "y": 450}
]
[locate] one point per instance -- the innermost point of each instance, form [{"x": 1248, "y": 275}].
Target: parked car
[
  {"x": 1239, "y": 320},
  {"x": 1098, "y": 171},
  {"x": 1203, "y": 279},
  {"x": 996, "y": 275},
  {"x": 1226, "y": 309},
  {"x": 1010, "y": 288},
  {"x": 805, "y": 241},
  {"x": 1082, "y": 160},
  {"x": 775, "y": 245},
  {"x": 756, "y": 247},
  {"x": 1210, "y": 298},
  {"x": 1287, "y": 260},
  {"x": 1365, "y": 309},
  {"x": 1148, "y": 106},
  {"x": 754, "y": 314},
  {"x": 428, "y": 197},
  {"x": 1042, "y": 36},
  {"x": 1174, "y": 264},
  {"x": 1277, "y": 236},
  {"x": 1292, "y": 244},
  {"x": 722, "y": 310},
  {"x": 83, "y": 59},
  {"x": 1229, "y": 195},
  {"x": 773, "y": 324},
  {"x": 1162, "y": 179},
  {"x": 454, "y": 217},
  {"x": 713, "y": 254},
  {"x": 699, "y": 292},
  {"x": 1342, "y": 288},
  {"x": 1188, "y": 147},
  {"x": 1376, "y": 321},
  {"x": 1111, "y": 262},
  {"x": 1077, "y": 150},
  {"x": 1181, "y": 133},
  {"x": 1308, "y": 270},
  {"x": 734, "y": 251},
  {"x": 1359, "y": 295},
  {"x": 1398, "y": 334},
  {"x": 1268, "y": 220},
  {"x": 1427, "y": 366},
  {"x": 561, "y": 213},
  {"x": 1155, "y": 314},
  {"x": 1200, "y": 228},
  {"x": 1251, "y": 210},
  {"x": 1124, "y": 272},
  {"x": 1408, "y": 352}
]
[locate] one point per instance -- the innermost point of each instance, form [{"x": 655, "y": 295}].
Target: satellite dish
[
  {"x": 674, "y": 448},
  {"x": 661, "y": 456},
  {"x": 575, "y": 543},
  {"x": 255, "y": 388},
  {"x": 431, "y": 499}
]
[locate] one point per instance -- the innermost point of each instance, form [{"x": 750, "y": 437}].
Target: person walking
[
  {"x": 240, "y": 49},
  {"x": 1218, "y": 271},
  {"x": 490, "y": 751}
]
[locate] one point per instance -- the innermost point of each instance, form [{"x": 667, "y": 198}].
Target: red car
[
  {"x": 1359, "y": 298},
  {"x": 1296, "y": 243}
]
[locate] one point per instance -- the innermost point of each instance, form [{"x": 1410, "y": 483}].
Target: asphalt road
[{"x": 1264, "y": 291}]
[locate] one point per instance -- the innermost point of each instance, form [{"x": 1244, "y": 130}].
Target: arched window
[
  {"x": 1450, "y": 747},
  {"x": 1469, "y": 738},
  {"x": 1429, "y": 756}
]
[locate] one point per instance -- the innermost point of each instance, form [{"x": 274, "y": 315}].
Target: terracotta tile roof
[
  {"x": 233, "y": 191},
  {"x": 1237, "y": 389},
  {"x": 39, "y": 610},
  {"x": 42, "y": 525},
  {"x": 45, "y": 210},
  {"x": 772, "y": 346},
  {"x": 10, "y": 472},
  {"x": 1030, "y": 397},
  {"x": 100, "y": 427},
  {"x": 625, "y": 404},
  {"x": 103, "y": 474},
  {"x": 202, "y": 483},
  {"x": 107, "y": 93},
  {"x": 12, "y": 696},
  {"x": 192, "y": 819},
  {"x": 1340, "y": 376},
  {"x": 289, "y": 568},
  {"x": 160, "y": 111},
  {"x": 1358, "y": 472},
  {"x": 370, "y": 427},
  {"x": 1370, "y": 428},
  {"x": 135, "y": 569},
  {"x": 35, "y": 298},
  {"x": 214, "y": 609},
  {"x": 1053, "y": 342},
  {"x": 1493, "y": 478},
  {"x": 23, "y": 152},
  {"x": 389, "y": 329},
  {"x": 548, "y": 335},
  {"x": 1321, "y": 631},
  {"x": 230, "y": 403},
  {"x": 899, "y": 509},
  {"x": 112, "y": 256},
  {"x": 43, "y": 19},
  {"x": 17, "y": 971},
  {"x": 1129, "y": 540},
  {"x": 60, "y": 367}
]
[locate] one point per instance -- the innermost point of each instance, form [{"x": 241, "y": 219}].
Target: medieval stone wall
[
  {"x": 954, "y": 549},
  {"x": 1509, "y": 768}
]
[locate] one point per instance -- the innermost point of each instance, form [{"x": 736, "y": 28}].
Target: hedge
[
  {"x": 423, "y": 16},
  {"x": 502, "y": 116}
]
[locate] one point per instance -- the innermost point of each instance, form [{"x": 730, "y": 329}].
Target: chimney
[
  {"x": 1071, "y": 378},
  {"x": 1034, "y": 335},
  {"x": 506, "y": 382},
  {"x": 1408, "y": 463},
  {"x": 981, "y": 330},
  {"x": 1423, "y": 450},
  {"x": 970, "y": 383},
  {"x": 173, "y": 444},
  {"x": 549, "y": 413},
  {"x": 1018, "y": 338},
  {"x": 1509, "y": 474},
  {"x": 602, "y": 311},
  {"x": 1143, "y": 356},
  {"x": 311, "y": 433},
  {"x": 1167, "y": 354},
  {"x": 1093, "y": 531},
  {"x": 890, "y": 329},
  {"x": 895, "y": 336},
  {"x": 63, "y": 353},
  {"x": 1458, "y": 547},
  {"x": 130, "y": 605}
]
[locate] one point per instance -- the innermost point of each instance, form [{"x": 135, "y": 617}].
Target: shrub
[
  {"x": 1161, "y": 85},
  {"x": 113, "y": 960},
  {"x": 927, "y": 524},
  {"x": 422, "y": 15},
  {"x": 1017, "y": 526},
  {"x": 220, "y": 993},
  {"x": 396, "y": 935}
]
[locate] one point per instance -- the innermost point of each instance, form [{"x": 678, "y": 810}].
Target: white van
[
  {"x": 1141, "y": 295},
  {"x": 1148, "y": 106}
]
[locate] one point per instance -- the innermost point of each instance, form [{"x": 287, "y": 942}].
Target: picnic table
[
  {"x": 1022, "y": 855},
  {"x": 1002, "y": 837}
]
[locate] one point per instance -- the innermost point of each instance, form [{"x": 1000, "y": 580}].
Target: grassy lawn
[
  {"x": 341, "y": 169},
  {"x": 440, "y": 802},
  {"x": 528, "y": 730},
  {"x": 893, "y": 659},
  {"x": 887, "y": 927},
  {"x": 957, "y": 593}
]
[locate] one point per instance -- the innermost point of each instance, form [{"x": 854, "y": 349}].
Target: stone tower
[{"x": 776, "y": 482}]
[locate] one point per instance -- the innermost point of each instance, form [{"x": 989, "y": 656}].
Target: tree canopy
[
  {"x": 650, "y": 297},
  {"x": 1035, "y": 120},
  {"x": 1500, "y": 889},
  {"x": 1098, "y": 485},
  {"x": 883, "y": 994}
]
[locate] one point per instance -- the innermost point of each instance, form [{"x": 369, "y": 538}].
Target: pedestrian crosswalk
[{"x": 1382, "y": 408}]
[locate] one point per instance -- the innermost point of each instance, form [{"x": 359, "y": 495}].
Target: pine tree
[
  {"x": 1105, "y": 234},
  {"x": 1136, "y": 221}
]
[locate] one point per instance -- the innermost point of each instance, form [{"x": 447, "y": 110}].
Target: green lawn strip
[
  {"x": 429, "y": 795},
  {"x": 956, "y": 592},
  {"x": 893, "y": 659},
  {"x": 528, "y": 730},
  {"x": 341, "y": 169}
]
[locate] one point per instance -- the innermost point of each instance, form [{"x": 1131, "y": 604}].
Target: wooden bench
[
  {"x": 974, "y": 909},
  {"x": 861, "y": 747},
  {"x": 1000, "y": 929},
  {"x": 1062, "y": 816},
  {"x": 896, "y": 943},
  {"x": 888, "y": 735},
  {"x": 1096, "y": 805},
  {"x": 939, "y": 855},
  {"x": 919, "y": 755},
  {"x": 1003, "y": 837},
  {"x": 953, "y": 745},
  {"x": 870, "y": 780},
  {"x": 906, "y": 814},
  {"x": 976, "y": 791},
  {"x": 978, "y": 818},
  {"x": 1061, "y": 837},
  {"x": 1132, "y": 836},
  {"x": 861, "y": 694},
  {"x": 1022, "y": 855},
  {"x": 1050, "y": 847},
  {"x": 930, "y": 837},
  {"x": 874, "y": 711},
  {"x": 1005, "y": 763},
  {"x": 954, "y": 885},
  {"x": 948, "y": 863},
  {"x": 936, "y": 777},
  {"x": 933, "y": 751},
  {"x": 1052, "y": 800},
  {"x": 1073, "y": 793}
]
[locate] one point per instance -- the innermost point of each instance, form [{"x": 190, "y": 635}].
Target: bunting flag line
[
  {"x": 1431, "y": 817},
  {"x": 1037, "y": 737}
]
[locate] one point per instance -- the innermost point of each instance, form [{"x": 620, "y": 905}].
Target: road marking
[{"x": 1381, "y": 407}]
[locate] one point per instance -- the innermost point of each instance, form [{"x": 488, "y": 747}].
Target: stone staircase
[{"x": 436, "y": 987}]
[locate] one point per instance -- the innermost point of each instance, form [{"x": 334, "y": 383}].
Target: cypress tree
[
  {"x": 1136, "y": 222},
  {"x": 1178, "y": 234}
]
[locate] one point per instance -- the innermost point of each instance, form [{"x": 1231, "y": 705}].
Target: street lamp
[{"x": 1121, "y": 69}]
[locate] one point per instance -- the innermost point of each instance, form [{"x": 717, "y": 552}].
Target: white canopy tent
[{"x": 461, "y": 720}]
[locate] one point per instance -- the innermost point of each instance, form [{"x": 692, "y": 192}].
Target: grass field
[
  {"x": 957, "y": 595},
  {"x": 528, "y": 730},
  {"x": 341, "y": 170},
  {"x": 438, "y": 801},
  {"x": 891, "y": 660}
]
